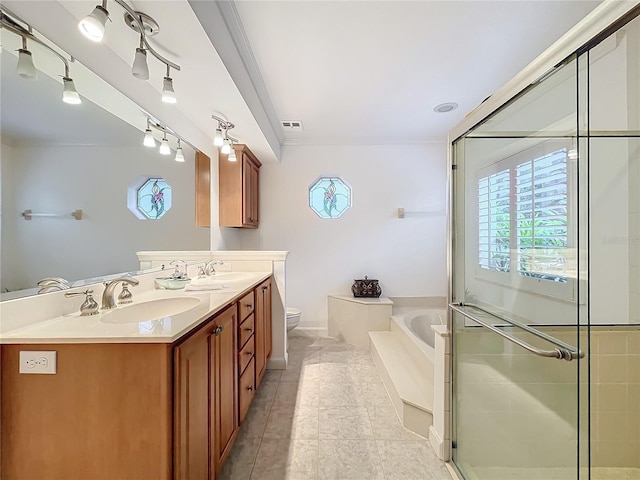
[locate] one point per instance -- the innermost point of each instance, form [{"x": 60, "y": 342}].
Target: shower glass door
[{"x": 519, "y": 283}]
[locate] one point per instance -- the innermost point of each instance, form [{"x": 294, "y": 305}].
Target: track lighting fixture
[
  {"x": 165, "y": 149},
  {"x": 70, "y": 94},
  {"x": 93, "y": 25},
  {"x": 226, "y": 147},
  {"x": 222, "y": 139},
  {"x": 168, "y": 95},
  {"x": 26, "y": 68},
  {"x": 164, "y": 145},
  {"x": 179, "y": 155},
  {"x": 140, "y": 69},
  {"x": 149, "y": 141},
  {"x": 218, "y": 139}
]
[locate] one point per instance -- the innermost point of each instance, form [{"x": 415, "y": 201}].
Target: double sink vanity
[{"x": 154, "y": 389}]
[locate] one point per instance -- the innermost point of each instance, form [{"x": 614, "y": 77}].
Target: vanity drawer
[
  {"x": 247, "y": 389},
  {"x": 247, "y": 304},
  {"x": 245, "y": 330},
  {"x": 246, "y": 354}
]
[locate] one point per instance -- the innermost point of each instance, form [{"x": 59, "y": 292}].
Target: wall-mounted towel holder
[{"x": 28, "y": 214}]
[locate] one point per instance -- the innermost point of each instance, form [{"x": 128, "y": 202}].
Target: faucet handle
[
  {"x": 201, "y": 272},
  {"x": 125, "y": 296},
  {"x": 89, "y": 306}
]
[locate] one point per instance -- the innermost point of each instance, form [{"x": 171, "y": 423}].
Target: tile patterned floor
[{"x": 326, "y": 417}]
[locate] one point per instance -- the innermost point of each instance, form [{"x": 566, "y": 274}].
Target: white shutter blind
[
  {"x": 494, "y": 221},
  {"x": 541, "y": 217}
]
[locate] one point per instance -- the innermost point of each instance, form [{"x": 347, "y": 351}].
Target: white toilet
[{"x": 293, "y": 318}]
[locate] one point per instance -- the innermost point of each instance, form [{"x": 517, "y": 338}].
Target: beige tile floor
[{"x": 328, "y": 416}]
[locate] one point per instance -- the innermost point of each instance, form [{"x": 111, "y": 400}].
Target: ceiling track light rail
[
  {"x": 93, "y": 26},
  {"x": 26, "y": 69}
]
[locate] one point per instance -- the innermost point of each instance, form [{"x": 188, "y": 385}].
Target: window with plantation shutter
[
  {"x": 522, "y": 215},
  {"x": 494, "y": 221},
  {"x": 541, "y": 216}
]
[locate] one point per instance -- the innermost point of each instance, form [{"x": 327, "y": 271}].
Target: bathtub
[{"x": 415, "y": 330}]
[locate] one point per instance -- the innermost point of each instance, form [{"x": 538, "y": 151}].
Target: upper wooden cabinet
[
  {"x": 239, "y": 189},
  {"x": 203, "y": 190}
]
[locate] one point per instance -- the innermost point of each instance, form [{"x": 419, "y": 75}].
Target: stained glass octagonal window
[
  {"x": 150, "y": 198},
  {"x": 329, "y": 197}
]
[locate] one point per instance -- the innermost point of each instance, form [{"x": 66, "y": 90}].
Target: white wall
[
  {"x": 60, "y": 179},
  {"x": 407, "y": 255}
]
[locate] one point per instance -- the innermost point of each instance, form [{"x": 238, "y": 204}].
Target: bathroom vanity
[{"x": 137, "y": 398}]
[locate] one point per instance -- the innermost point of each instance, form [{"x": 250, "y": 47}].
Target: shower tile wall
[
  {"x": 615, "y": 397},
  {"x": 529, "y": 395}
]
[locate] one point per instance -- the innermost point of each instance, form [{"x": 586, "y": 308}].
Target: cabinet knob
[
  {"x": 249, "y": 305},
  {"x": 218, "y": 330},
  {"x": 265, "y": 288},
  {"x": 250, "y": 389},
  {"x": 249, "y": 329},
  {"x": 249, "y": 353}
]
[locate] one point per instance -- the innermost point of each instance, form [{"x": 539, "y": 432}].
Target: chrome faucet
[
  {"x": 108, "y": 300},
  {"x": 209, "y": 268}
]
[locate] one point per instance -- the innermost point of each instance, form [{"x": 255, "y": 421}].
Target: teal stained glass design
[
  {"x": 329, "y": 197},
  {"x": 154, "y": 198}
]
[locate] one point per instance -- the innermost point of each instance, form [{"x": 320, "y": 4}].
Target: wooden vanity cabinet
[
  {"x": 246, "y": 354},
  {"x": 263, "y": 329},
  {"x": 239, "y": 189},
  {"x": 205, "y": 398}
]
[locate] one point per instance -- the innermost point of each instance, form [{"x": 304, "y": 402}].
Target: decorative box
[{"x": 366, "y": 288}]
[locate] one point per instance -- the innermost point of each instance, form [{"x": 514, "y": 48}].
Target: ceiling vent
[{"x": 292, "y": 125}]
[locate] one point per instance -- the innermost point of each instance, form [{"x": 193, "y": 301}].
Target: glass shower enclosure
[{"x": 545, "y": 287}]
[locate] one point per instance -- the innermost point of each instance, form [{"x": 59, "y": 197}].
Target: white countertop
[{"x": 73, "y": 328}]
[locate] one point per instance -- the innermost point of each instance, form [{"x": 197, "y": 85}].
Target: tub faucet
[
  {"x": 108, "y": 300},
  {"x": 53, "y": 284}
]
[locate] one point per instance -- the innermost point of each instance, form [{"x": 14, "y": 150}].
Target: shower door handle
[{"x": 560, "y": 352}]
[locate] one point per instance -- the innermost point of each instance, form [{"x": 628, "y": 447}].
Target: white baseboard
[
  {"x": 438, "y": 444},
  {"x": 278, "y": 363},
  {"x": 309, "y": 332}
]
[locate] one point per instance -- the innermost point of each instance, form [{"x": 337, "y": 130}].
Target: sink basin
[
  {"x": 151, "y": 310},
  {"x": 230, "y": 277}
]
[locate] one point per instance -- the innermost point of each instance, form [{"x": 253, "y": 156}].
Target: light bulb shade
[
  {"x": 149, "y": 141},
  {"x": 164, "y": 147},
  {"x": 92, "y": 26},
  {"x": 218, "y": 140},
  {"x": 179, "y": 155},
  {"x": 168, "y": 95},
  {"x": 140, "y": 69},
  {"x": 70, "y": 94},
  {"x": 26, "y": 68},
  {"x": 232, "y": 156},
  {"x": 226, "y": 147}
]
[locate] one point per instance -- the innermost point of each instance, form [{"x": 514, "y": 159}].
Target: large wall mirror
[{"x": 57, "y": 158}]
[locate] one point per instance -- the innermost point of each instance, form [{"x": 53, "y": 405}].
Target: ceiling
[
  {"x": 372, "y": 71},
  {"x": 354, "y": 72}
]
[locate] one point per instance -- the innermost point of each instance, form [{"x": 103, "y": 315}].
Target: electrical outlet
[{"x": 38, "y": 362}]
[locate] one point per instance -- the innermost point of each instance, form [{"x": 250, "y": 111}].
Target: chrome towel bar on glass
[{"x": 563, "y": 350}]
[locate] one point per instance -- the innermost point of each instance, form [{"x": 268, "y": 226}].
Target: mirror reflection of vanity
[{"x": 58, "y": 158}]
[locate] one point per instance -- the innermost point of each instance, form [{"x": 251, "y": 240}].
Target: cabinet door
[
  {"x": 263, "y": 328},
  {"x": 250, "y": 181},
  {"x": 191, "y": 398},
  {"x": 224, "y": 385},
  {"x": 203, "y": 190}
]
